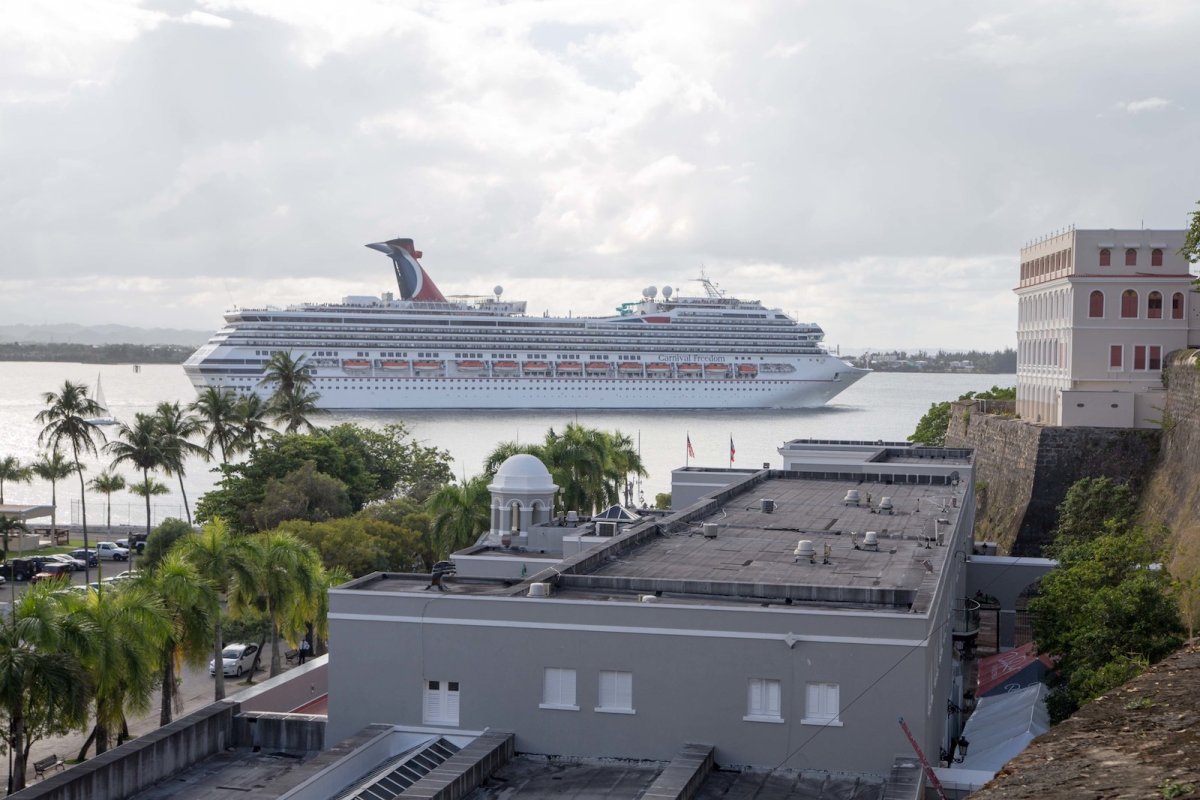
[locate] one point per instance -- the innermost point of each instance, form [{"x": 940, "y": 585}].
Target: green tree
[
  {"x": 359, "y": 545},
  {"x": 292, "y": 400},
  {"x": 216, "y": 408},
  {"x": 417, "y": 524},
  {"x": 319, "y": 625},
  {"x": 11, "y": 471},
  {"x": 931, "y": 428},
  {"x": 461, "y": 513},
  {"x": 250, "y": 416},
  {"x": 662, "y": 501},
  {"x": 176, "y": 428},
  {"x": 221, "y": 559},
  {"x": 106, "y": 483},
  {"x": 138, "y": 445},
  {"x": 190, "y": 603},
  {"x": 1105, "y": 612},
  {"x": 1089, "y": 505},
  {"x": 623, "y": 461},
  {"x": 54, "y": 468},
  {"x": 162, "y": 539},
  {"x": 1191, "y": 240},
  {"x": 43, "y": 689},
  {"x": 129, "y": 627},
  {"x": 285, "y": 575},
  {"x": 147, "y": 488},
  {"x": 303, "y": 494},
  {"x": 65, "y": 421}
]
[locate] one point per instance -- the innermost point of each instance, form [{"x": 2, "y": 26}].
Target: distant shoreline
[{"x": 95, "y": 353}]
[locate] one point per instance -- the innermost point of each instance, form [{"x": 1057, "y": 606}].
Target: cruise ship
[{"x": 425, "y": 351}]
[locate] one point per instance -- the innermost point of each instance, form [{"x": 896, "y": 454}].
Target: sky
[{"x": 873, "y": 167}]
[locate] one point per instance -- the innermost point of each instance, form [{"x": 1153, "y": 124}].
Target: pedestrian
[{"x": 304, "y": 648}]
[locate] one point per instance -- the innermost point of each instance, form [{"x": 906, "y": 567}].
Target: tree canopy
[
  {"x": 1091, "y": 506},
  {"x": 931, "y": 428},
  {"x": 1191, "y": 241},
  {"x": 372, "y": 464}
]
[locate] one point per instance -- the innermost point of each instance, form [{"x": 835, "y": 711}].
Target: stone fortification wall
[
  {"x": 1172, "y": 496},
  {"x": 1023, "y": 470}
]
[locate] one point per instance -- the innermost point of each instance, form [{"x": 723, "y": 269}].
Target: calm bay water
[{"x": 880, "y": 406}]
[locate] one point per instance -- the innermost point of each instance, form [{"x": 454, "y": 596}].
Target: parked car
[
  {"x": 237, "y": 658},
  {"x": 88, "y": 555},
  {"x": 111, "y": 551},
  {"x": 69, "y": 560},
  {"x": 53, "y": 571},
  {"x": 134, "y": 543}
]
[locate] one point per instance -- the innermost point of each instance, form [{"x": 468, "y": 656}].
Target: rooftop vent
[
  {"x": 606, "y": 528},
  {"x": 852, "y": 497},
  {"x": 539, "y": 589},
  {"x": 767, "y": 505},
  {"x": 572, "y": 516},
  {"x": 647, "y": 598},
  {"x": 805, "y": 549},
  {"x": 870, "y": 540},
  {"x": 710, "y": 530},
  {"x": 885, "y": 505}
]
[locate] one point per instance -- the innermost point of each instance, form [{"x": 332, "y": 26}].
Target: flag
[
  {"x": 732, "y": 450},
  {"x": 691, "y": 453}
]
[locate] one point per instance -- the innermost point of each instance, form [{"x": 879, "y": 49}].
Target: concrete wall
[
  {"x": 1023, "y": 470},
  {"x": 288, "y": 691}
]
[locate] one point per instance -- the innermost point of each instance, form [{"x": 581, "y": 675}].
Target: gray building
[{"x": 787, "y": 617}]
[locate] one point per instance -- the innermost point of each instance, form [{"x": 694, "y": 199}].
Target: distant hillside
[
  {"x": 102, "y": 334},
  {"x": 95, "y": 353}
]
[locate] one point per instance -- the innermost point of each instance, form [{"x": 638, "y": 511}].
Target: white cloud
[
  {"x": 1148, "y": 104},
  {"x": 205, "y": 19}
]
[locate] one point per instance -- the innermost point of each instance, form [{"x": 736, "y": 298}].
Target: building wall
[
  {"x": 1061, "y": 346},
  {"x": 690, "y": 666}
]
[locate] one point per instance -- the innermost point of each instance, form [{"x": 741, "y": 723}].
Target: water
[{"x": 880, "y": 406}]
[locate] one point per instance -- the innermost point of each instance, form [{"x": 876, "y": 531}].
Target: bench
[
  {"x": 291, "y": 655},
  {"x": 49, "y": 762}
]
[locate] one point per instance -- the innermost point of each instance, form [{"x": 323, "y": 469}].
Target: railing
[{"x": 965, "y": 622}]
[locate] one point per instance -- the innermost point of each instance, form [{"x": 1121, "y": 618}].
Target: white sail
[{"x": 104, "y": 418}]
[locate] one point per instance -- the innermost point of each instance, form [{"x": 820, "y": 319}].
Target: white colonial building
[{"x": 1098, "y": 310}]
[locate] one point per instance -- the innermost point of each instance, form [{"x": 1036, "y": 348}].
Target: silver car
[{"x": 237, "y": 658}]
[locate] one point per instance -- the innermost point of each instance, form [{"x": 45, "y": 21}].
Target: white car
[
  {"x": 109, "y": 551},
  {"x": 237, "y": 658}
]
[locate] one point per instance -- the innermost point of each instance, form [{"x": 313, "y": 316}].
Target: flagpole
[{"x": 687, "y": 462}]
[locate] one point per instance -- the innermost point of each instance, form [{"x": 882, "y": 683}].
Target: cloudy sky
[{"x": 871, "y": 166}]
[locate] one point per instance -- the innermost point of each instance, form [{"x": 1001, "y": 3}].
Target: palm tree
[
  {"x": 250, "y": 413},
  {"x": 217, "y": 408},
  {"x": 148, "y": 487},
  {"x": 222, "y": 560},
  {"x": 623, "y": 460},
  {"x": 318, "y": 623},
  {"x": 12, "y": 472},
  {"x": 292, "y": 400},
  {"x": 40, "y": 673},
  {"x": 576, "y": 459},
  {"x": 130, "y": 626},
  {"x": 9, "y": 526},
  {"x": 460, "y": 514},
  {"x": 190, "y": 603},
  {"x": 106, "y": 483},
  {"x": 54, "y": 468},
  {"x": 138, "y": 445},
  {"x": 505, "y": 450},
  {"x": 176, "y": 427},
  {"x": 284, "y": 582},
  {"x": 66, "y": 420}
]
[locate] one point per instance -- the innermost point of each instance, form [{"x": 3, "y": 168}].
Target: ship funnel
[{"x": 410, "y": 275}]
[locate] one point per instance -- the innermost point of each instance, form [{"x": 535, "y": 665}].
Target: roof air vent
[
  {"x": 539, "y": 589},
  {"x": 767, "y": 505},
  {"x": 852, "y": 497},
  {"x": 710, "y": 530},
  {"x": 885, "y": 505},
  {"x": 805, "y": 549},
  {"x": 870, "y": 540}
]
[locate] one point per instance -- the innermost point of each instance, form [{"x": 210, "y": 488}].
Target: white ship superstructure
[{"x": 426, "y": 351}]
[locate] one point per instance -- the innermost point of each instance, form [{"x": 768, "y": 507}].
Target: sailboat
[{"x": 105, "y": 418}]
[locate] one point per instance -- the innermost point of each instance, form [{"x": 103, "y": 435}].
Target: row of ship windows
[{"x": 684, "y": 385}]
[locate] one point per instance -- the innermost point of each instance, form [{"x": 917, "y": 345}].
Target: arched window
[
  {"x": 1177, "y": 305},
  {"x": 1129, "y": 304},
  {"x": 1156, "y": 257},
  {"x": 1131, "y": 257},
  {"x": 1106, "y": 257},
  {"x": 1096, "y": 304},
  {"x": 1154, "y": 305}
]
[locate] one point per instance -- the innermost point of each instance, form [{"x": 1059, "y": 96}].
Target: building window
[
  {"x": 441, "y": 703},
  {"x": 1177, "y": 305},
  {"x": 1096, "y": 304},
  {"x": 1154, "y": 305},
  {"x": 1139, "y": 356},
  {"x": 763, "y": 701},
  {"x": 1106, "y": 257},
  {"x": 1156, "y": 257},
  {"x": 1155, "y": 356},
  {"x": 1129, "y": 304},
  {"x": 821, "y": 705},
  {"x": 558, "y": 689},
  {"x": 1131, "y": 257},
  {"x": 616, "y": 692},
  {"x": 1116, "y": 359}
]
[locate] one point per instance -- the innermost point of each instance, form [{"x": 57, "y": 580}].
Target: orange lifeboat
[
  {"x": 658, "y": 368},
  {"x": 568, "y": 367},
  {"x": 747, "y": 370},
  {"x": 355, "y": 364},
  {"x": 629, "y": 368},
  {"x": 504, "y": 366},
  {"x": 393, "y": 365},
  {"x": 427, "y": 366},
  {"x": 535, "y": 366},
  {"x": 469, "y": 366},
  {"x": 716, "y": 370},
  {"x": 597, "y": 368},
  {"x": 689, "y": 368}
]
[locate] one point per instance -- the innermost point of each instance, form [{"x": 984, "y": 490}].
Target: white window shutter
[
  {"x": 772, "y": 706},
  {"x": 433, "y": 704},
  {"x": 451, "y": 717}
]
